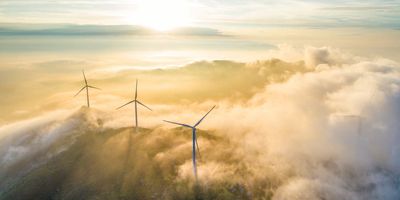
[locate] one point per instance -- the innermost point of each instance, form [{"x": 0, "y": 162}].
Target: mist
[{"x": 313, "y": 123}]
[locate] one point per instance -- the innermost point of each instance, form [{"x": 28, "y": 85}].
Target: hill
[{"x": 105, "y": 163}]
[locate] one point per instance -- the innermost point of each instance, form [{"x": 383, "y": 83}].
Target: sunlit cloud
[{"x": 260, "y": 144}]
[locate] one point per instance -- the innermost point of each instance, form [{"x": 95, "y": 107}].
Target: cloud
[
  {"x": 197, "y": 31},
  {"x": 97, "y": 30},
  {"x": 361, "y": 8},
  {"x": 288, "y": 139},
  {"x": 74, "y": 30},
  {"x": 327, "y": 56},
  {"x": 238, "y": 14},
  {"x": 296, "y": 121}
]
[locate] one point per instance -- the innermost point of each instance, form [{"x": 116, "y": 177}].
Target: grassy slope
[{"x": 118, "y": 164}]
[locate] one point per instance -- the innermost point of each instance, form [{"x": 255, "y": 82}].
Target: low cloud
[
  {"x": 97, "y": 30},
  {"x": 291, "y": 138}
]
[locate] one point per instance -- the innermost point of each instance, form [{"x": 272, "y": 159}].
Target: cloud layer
[
  {"x": 98, "y": 30},
  {"x": 322, "y": 128}
]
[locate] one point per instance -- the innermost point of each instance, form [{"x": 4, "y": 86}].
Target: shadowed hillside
[{"x": 118, "y": 164}]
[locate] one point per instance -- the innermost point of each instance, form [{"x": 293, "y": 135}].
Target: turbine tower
[
  {"x": 87, "y": 89},
  {"x": 136, "y": 101},
  {"x": 194, "y": 138}
]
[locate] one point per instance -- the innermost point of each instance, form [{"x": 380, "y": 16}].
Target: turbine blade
[
  {"x": 125, "y": 104},
  {"x": 143, "y": 105},
  {"x": 185, "y": 125},
  {"x": 203, "y": 117},
  {"x": 84, "y": 77},
  {"x": 80, "y": 91},
  {"x": 94, "y": 87},
  {"x": 136, "y": 89}
]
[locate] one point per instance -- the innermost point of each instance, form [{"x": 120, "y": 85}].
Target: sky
[
  {"x": 330, "y": 69},
  {"x": 236, "y": 13},
  {"x": 52, "y": 39},
  {"x": 254, "y": 25}
]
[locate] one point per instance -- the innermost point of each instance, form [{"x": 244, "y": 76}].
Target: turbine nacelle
[
  {"x": 195, "y": 143},
  {"x": 84, "y": 87},
  {"x": 87, "y": 89},
  {"x": 189, "y": 126},
  {"x": 135, "y": 101}
]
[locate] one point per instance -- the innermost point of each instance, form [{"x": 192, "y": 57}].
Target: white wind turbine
[
  {"x": 194, "y": 138},
  {"x": 136, "y": 101},
  {"x": 87, "y": 89}
]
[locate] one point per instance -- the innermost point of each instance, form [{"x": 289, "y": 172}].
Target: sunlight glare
[{"x": 162, "y": 15}]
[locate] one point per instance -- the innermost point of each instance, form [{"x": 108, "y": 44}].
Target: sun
[{"x": 161, "y": 15}]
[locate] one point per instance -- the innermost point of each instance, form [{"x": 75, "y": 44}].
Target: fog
[{"x": 321, "y": 124}]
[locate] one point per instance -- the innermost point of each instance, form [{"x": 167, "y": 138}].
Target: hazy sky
[
  {"x": 251, "y": 23},
  {"x": 44, "y": 40},
  {"x": 249, "y": 13},
  {"x": 181, "y": 31}
]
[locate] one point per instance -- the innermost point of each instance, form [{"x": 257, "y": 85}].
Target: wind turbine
[
  {"x": 136, "y": 101},
  {"x": 87, "y": 89},
  {"x": 194, "y": 138}
]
